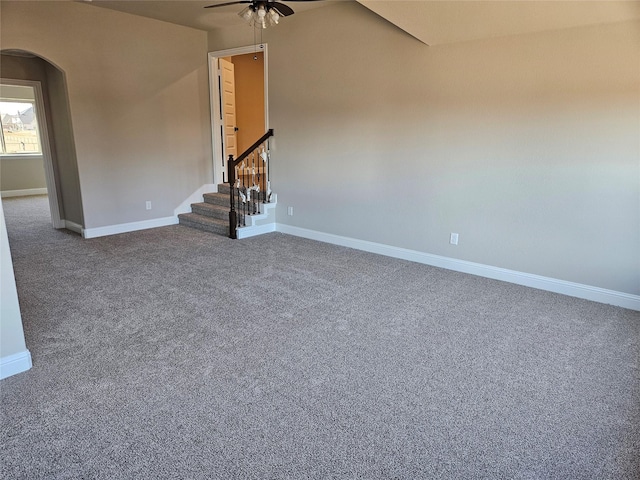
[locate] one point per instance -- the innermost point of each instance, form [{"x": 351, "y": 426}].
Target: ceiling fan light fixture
[
  {"x": 274, "y": 16},
  {"x": 260, "y": 13},
  {"x": 261, "y": 16},
  {"x": 246, "y": 14}
]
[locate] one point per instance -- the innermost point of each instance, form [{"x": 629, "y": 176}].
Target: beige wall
[
  {"x": 138, "y": 103},
  {"x": 527, "y": 146}
]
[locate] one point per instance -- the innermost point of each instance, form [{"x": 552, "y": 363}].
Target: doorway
[
  {"x": 24, "y": 68},
  {"x": 27, "y": 165},
  {"x": 237, "y": 119}
]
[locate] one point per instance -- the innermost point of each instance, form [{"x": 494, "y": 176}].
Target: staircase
[
  {"x": 212, "y": 215},
  {"x": 248, "y": 209}
]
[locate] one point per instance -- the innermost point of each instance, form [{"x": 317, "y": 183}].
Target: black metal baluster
[
  {"x": 233, "y": 218},
  {"x": 268, "y": 168},
  {"x": 240, "y": 181},
  {"x": 264, "y": 173},
  {"x": 260, "y": 179},
  {"x": 253, "y": 181},
  {"x": 244, "y": 190}
]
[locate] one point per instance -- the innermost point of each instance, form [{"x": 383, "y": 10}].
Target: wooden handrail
[
  {"x": 231, "y": 178},
  {"x": 233, "y": 163}
]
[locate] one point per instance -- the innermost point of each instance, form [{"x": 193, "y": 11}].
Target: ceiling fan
[{"x": 261, "y": 13}]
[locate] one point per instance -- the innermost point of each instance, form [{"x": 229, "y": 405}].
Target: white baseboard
[
  {"x": 252, "y": 231},
  {"x": 14, "y": 364},
  {"x": 587, "y": 292},
  {"x": 74, "y": 227},
  {"x": 128, "y": 227},
  {"x": 23, "y": 193}
]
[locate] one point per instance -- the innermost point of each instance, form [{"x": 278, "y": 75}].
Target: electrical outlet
[
  {"x": 290, "y": 211},
  {"x": 453, "y": 240},
  {"x": 148, "y": 205}
]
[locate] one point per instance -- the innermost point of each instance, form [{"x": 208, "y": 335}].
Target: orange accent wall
[{"x": 249, "y": 76}]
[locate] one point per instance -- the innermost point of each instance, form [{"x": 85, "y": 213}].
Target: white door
[{"x": 228, "y": 98}]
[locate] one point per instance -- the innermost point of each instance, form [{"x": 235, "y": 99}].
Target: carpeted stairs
[{"x": 212, "y": 215}]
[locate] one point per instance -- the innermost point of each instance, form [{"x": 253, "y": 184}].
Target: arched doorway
[{"x": 26, "y": 69}]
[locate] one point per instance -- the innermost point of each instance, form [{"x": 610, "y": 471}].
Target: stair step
[
  {"x": 224, "y": 188},
  {"x": 211, "y": 210},
  {"x": 220, "y": 199},
  {"x": 202, "y": 222},
  {"x": 212, "y": 215}
]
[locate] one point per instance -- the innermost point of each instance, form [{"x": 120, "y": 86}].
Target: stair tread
[
  {"x": 197, "y": 218},
  {"x": 211, "y": 206}
]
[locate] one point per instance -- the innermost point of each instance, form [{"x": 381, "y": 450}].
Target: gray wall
[
  {"x": 22, "y": 173},
  {"x": 527, "y": 146},
  {"x": 63, "y": 146},
  {"x": 25, "y": 172},
  {"x": 138, "y": 104},
  {"x": 11, "y": 332}
]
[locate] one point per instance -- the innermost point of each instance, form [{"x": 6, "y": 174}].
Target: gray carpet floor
[{"x": 173, "y": 353}]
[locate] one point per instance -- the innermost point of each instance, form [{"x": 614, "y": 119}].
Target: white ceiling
[
  {"x": 440, "y": 22},
  {"x": 192, "y": 13},
  {"x": 432, "y": 22}
]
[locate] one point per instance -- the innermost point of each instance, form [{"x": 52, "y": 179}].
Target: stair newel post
[
  {"x": 267, "y": 176},
  {"x": 233, "y": 216}
]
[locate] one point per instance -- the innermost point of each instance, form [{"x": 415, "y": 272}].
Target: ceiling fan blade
[
  {"x": 228, "y": 3},
  {"x": 281, "y": 8}
]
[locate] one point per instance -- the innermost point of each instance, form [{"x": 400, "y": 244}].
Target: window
[{"x": 19, "y": 127}]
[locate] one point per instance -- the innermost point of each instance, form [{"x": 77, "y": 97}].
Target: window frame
[{"x": 3, "y": 144}]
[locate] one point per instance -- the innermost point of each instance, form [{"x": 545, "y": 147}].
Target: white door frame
[
  {"x": 47, "y": 159},
  {"x": 219, "y": 163}
]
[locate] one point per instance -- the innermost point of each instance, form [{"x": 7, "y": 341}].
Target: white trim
[
  {"x": 195, "y": 197},
  {"x": 49, "y": 173},
  {"x": 214, "y": 107},
  {"x": 23, "y": 193},
  {"x": 19, "y": 156},
  {"x": 14, "y": 364},
  {"x": 254, "y": 230},
  {"x": 214, "y": 101},
  {"x": 563, "y": 287},
  {"x": 128, "y": 227},
  {"x": 74, "y": 227}
]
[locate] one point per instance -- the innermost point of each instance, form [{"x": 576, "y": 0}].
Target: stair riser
[
  {"x": 214, "y": 199},
  {"x": 213, "y": 213},
  {"x": 217, "y": 199},
  {"x": 224, "y": 189},
  {"x": 207, "y": 228}
]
